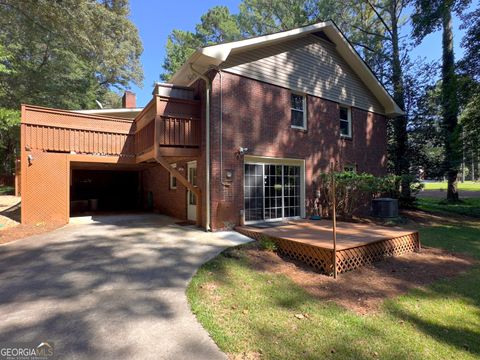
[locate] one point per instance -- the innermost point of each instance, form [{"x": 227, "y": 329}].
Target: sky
[{"x": 155, "y": 19}]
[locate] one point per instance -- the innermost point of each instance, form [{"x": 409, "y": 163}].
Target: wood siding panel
[
  {"x": 48, "y": 138},
  {"x": 309, "y": 65}
]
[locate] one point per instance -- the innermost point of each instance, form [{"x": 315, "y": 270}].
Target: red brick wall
[
  {"x": 256, "y": 115},
  {"x": 172, "y": 202}
]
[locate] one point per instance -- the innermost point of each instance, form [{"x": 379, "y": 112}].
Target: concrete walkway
[{"x": 109, "y": 289}]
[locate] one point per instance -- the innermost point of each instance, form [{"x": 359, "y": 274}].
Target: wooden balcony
[
  {"x": 166, "y": 127},
  {"x": 174, "y": 136}
]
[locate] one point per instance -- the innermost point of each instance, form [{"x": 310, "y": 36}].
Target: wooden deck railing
[
  {"x": 80, "y": 141},
  {"x": 54, "y": 130},
  {"x": 144, "y": 138},
  {"x": 178, "y": 131}
]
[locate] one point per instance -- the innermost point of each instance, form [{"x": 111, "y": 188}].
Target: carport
[{"x": 105, "y": 188}]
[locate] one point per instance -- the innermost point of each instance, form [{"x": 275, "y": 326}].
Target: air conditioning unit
[{"x": 385, "y": 208}]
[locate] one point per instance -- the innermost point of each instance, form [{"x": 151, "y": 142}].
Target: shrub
[
  {"x": 352, "y": 191},
  {"x": 355, "y": 191},
  {"x": 267, "y": 244}
]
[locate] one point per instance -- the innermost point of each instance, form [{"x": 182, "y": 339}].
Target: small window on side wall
[
  {"x": 299, "y": 111},
  {"x": 173, "y": 179},
  {"x": 345, "y": 122}
]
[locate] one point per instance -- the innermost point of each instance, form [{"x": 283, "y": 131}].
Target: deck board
[
  {"x": 357, "y": 243},
  {"x": 319, "y": 233}
]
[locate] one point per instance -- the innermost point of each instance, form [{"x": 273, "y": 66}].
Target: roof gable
[
  {"x": 309, "y": 65},
  {"x": 213, "y": 56}
]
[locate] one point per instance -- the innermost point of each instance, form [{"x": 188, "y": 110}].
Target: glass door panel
[
  {"x": 253, "y": 192},
  {"x": 291, "y": 179},
  {"x": 273, "y": 192}
]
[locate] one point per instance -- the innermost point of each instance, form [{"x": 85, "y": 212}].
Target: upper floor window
[
  {"x": 299, "y": 111},
  {"x": 173, "y": 179},
  {"x": 345, "y": 121}
]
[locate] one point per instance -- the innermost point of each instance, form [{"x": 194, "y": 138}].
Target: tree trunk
[
  {"x": 453, "y": 156},
  {"x": 401, "y": 159},
  {"x": 473, "y": 166}
]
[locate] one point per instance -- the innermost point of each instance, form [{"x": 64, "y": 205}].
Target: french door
[{"x": 272, "y": 191}]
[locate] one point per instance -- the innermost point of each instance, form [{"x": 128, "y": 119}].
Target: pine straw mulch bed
[{"x": 364, "y": 289}]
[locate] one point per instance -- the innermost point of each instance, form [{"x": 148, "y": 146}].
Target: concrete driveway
[{"x": 112, "y": 289}]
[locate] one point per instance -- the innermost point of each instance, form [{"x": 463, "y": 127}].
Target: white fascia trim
[
  {"x": 212, "y": 56},
  {"x": 109, "y": 111},
  {"x": 221, "y": 51}
]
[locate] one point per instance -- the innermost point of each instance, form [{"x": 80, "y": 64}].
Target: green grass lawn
[
  {"x": 7, "y": 190},
  {"x": 442, "y": 185},
  {"x": 467, "y": 206},
  {"x": 250, "y": 312}
]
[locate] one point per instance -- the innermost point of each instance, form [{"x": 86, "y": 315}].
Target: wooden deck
[{"x": 357, "y": 244}]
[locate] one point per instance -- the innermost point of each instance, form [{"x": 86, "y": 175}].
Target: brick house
[{"x": 265, "y": 116}]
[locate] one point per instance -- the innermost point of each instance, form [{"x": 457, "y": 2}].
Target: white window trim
[
  {"x": 172, "y": 178},
  {"x": 304, "y": 100},
  {"x": 349, "y": 115}
]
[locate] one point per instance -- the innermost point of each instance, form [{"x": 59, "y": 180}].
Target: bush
[
  {"x": 395, "y": 186},
  {"x": 355, "y": 191},
  {"x": 267, "y": 244}
]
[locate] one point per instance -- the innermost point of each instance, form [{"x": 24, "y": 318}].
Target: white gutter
[
  {"x": 208, "y": 89},
  {"x": 109, "y": 111}
]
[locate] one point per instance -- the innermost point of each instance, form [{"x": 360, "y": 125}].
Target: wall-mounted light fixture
[
  {"x": 30, "y": 159},
  {"x": 242, "y": 150}
]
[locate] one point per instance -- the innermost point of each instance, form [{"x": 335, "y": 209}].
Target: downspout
[
  {"x": 208, "y": 89},
  {"x": 221, "y": 128}
]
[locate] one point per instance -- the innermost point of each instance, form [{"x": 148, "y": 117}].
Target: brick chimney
[{"x": 129, "y": 100}]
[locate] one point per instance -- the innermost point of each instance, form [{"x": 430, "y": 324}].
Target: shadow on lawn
[
  {"x": 338, "y": 346},
  {"x": 462, "y": 337},
  {"x": 455, "y": 238},
  {"x": 278, "y": 292}
]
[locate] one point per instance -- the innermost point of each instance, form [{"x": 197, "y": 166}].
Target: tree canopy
[
  {"x": 66, "y": 53},
  {"x": 216, "y": 26}
]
